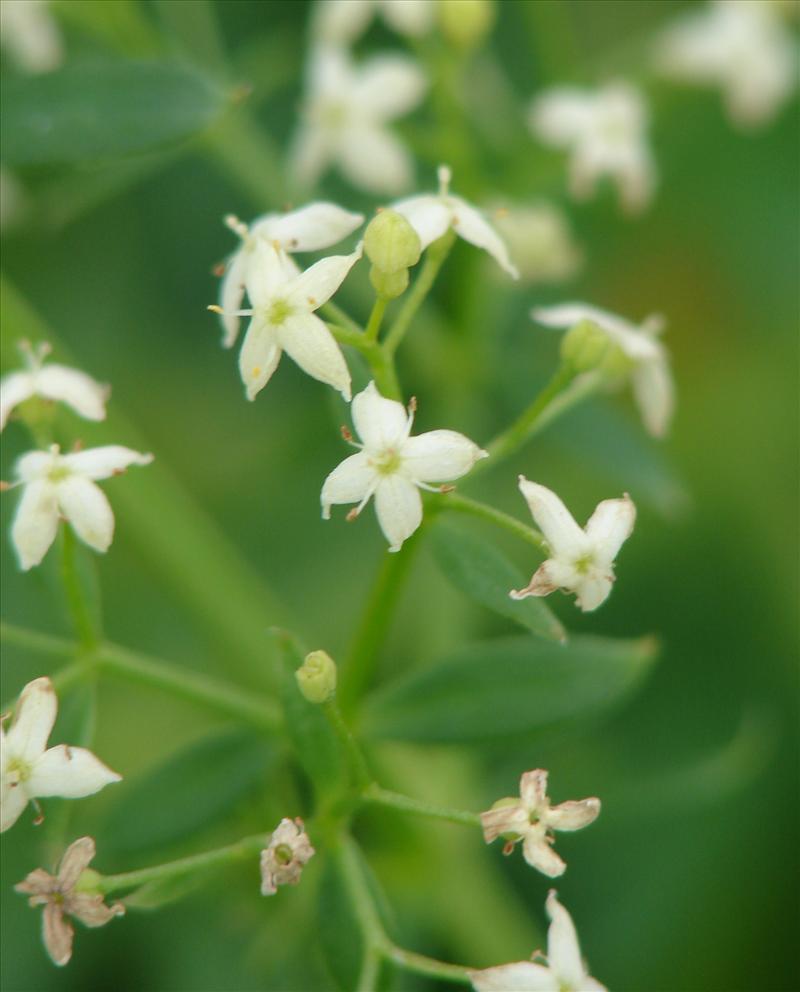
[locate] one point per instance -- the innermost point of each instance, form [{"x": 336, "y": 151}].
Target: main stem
[
  {"x": 79, "y": 609},
  {"x": 434, "y": 259}
]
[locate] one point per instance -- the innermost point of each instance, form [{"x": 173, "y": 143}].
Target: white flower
[
  {"x": 284, "y": 301},
  {"x": 28, "y": 771},
  {"x": 650, "y": 373},
  {"x": 540, "y": 242},
  {"x": 345, "y": 119},
  {"x": 283, "y": 861},
  {"x": 393, "y": 466},
  {"x": 531, "y": 818},
  {"x": 340, "y": 22},
  {"x": 57, "y": 485},
  {"x": 310, "y": 228},
  {"x": 30, "y": 33},
  {"x": 565, "y": 970},
  {"x": 581, "y": 560},
  {"x": 433, "y": 214},
  {"x": 52, "y": 382},
  {"x": 57, "y": 894},
  {"x": 742, "y": 47},
  {"x": 605, "y": 133}
]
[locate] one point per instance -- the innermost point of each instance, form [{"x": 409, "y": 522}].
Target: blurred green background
[{"x": 688, "y": 881}]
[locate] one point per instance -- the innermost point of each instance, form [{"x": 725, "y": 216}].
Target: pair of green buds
[{"x": 393, "y": 246}]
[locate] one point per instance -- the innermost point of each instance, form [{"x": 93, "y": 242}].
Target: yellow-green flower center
[
  {"x": 58, "y": 473},
  {"x": 283, "y": 854},
  {"x": 387, "y": 462},
  {"x": 278, "y": 311},
  {"x": 583, "y": 564},
  {"x": 17, "y": 771}
]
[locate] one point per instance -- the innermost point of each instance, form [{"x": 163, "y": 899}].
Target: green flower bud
[
  {"x": 465, "y": 23},
  {"x": 88, "y": 881},
  {"x": 316, "y": 679},
  {"x": 388, "y": 285},
  {"x": 391, "y": 243},
  {"x": 585, "y": 346}
]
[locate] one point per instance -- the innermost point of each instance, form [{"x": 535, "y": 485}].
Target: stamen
[
  {"x": 508, "y": 847},
  {"x": 444, "y": 174},
  {"x": 218, "y": 270},
  {"x": 39, "y": 818},
  {"x": 237, "y": 226}
]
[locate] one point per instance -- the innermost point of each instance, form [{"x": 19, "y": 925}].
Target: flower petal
[
  {"x": 57, "y": 934},
  {"x": 592, "y": 591},
  {"x": 655, "y": 394},
  {"x": 533, "y": 789},
  {"x": 73, "y": 387},
  {"x": 349, "y": 482},
  {"x": 380, "y": 423},
  {"x": 38, "y": 883},
  {"x": 610, "y": 525},
  {"x": 91, "y": 910},
  {"x": 77, "y": 856},
  {"x": 13, "y": 801},
  {"x": 102, "y": 463},
  {"x": 561, "y": 115},
  {"x": 69, "y": 772},
  {"x": 557, "y": 524},
  {"x": 86, "y": 507},
  {"x": 340, "y": 22},
  {"x": 388, "y": 86},
  {"x": 429, "y": 215},
  {"x": 318, "y": 283},
  {"x": 503, "y": 820},
  {"x": 374, "y": 159},
  {"x": 399, "y": 508},
  {"x": 472, "y": 227},
  {"x": 439, "y": 456},
  {"x": 35, "y": 464},
  {"x": 231, "y": 294},
  {"x": 411, "y": 17},
  {"x": 311, "y": 152},
  {"x": 35, "y": 522},
  {"x": 34, "y": 717},
  {"x": 635, "y": 343},
  {"x": 539, "y": 855},
  {"x": 549, "y": 576},
  {"x": 306, "y": 339},
  {"x": 15, "y": 388},
  {"x": 521, "y": 976},
  {"x": 573, "y": 815},
  {"x": 267, "y": 272},
  {"x": 259, "y": 356},
  {"x": 563, "y": 950},
  {"x": 313, "y": 227}
]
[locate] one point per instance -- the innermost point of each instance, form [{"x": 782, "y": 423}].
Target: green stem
[
  {"x": 79, "y": 609},
  {"x": 34, "y": 641},
  {"x": 375, "y": 320},
  {"x": 245, "y": 848},
  {"x": 420, "y": 964},
  {"x": 358, "y": 764},
  {"x": 338, "y": 316},
  {"x": 383, "y": 797},
  {"x": 463, "y": 504},
  {"x": 248, "y": 157},
  {"x": 370, "y": 968},
  {"x": 434, "y": 259},
  {"x": 381, "y": 363}
]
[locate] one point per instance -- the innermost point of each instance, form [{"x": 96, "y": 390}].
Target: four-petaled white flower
[
  {"x": 283, "y": 319},
  {"x": 565, "y": 970},
  {"x": 605, "y": 133},
  {"x": 57, "y": 485},
  {"x": 649, "y": 362},
  {"x": 581, "y": 560},
  {"x": 340, "y": 22},
  {"x": 30, "y": 34},
  {"x": 393, "y": 466},
  {"x": 28, "y": 771},
  {"x": 283, "y": 861},
  {"x": 310, "y": 228},
  {"x": 741, "y": 46},
  {"x": 531, "y": 819},
  {"x": 52, "y": 382},
  {"x": 345, "y": 119},
  {"x": 433, "y": 214},
  {"x": 61, "y": 896}
]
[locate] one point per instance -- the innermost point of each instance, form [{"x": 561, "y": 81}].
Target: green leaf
[
  {"x": 483, "y": 573},
  {"x": 192, "y": 789},
  {"x": 99, "y": 111},
  {"x": 509, "y": 688}
]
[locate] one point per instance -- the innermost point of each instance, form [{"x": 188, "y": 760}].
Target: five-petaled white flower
[
  {"x": 52, "y": 382},
  {"x": 345, "y": 117},
  {"x": 531, "y": 819},
  {"x": 61, "y": 896},
  {"x": 743, "y": 47},
  {"x": 581, "y": 560},
  {"x": 310, "y": 228},
  {"x": 30, "y": 34},
  {"x": 605, "y": 133},
  {"x": 649, "y": 362},
  {"x": 340, "y": 22},
  {"x": 433, "y": 214},
  {"x": 283, "y": 319},
  {"x": 57, "y": 485},
  {"x": 565, "y": 970},
  {"x": 28, "y": 771},
  {"x": 283, "y": 861},
  {"x": 393, "y": 466}
]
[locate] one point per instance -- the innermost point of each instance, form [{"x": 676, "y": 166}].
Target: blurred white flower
[
  {"x": 28, "y": 771},
  {"x": 52, "y": 382},
  {"x": 30, "y": 33},
  {"x": 565, "y": 970},
  {"x": 282, "y": 862},
  {"x": 581, "y": 559},
  {"x": 741, "y": 46},
  {"x": 540, "y": 241},
  {"x": 644, "y": 353},
  {"x": 310, "y": 228},
  {"x": 605, "y": 132},
  {"x": 283, "y": 304},
  {"x": 345, "y": 116},
  {"x": 433, "y": 214},
  {"x": 531, "y": 819},
  {"x": 340, "y": 22},
  {"x": 56, "y": 486},
  {"x": 57, "y": 894},
  {"x": 393, "y": 466}
]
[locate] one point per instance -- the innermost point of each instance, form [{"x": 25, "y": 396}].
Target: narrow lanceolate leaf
[
  {"x": 483, "y": 573},
  {"x": 99, "y": 111},
  {"x": 510, "y": 688}
]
